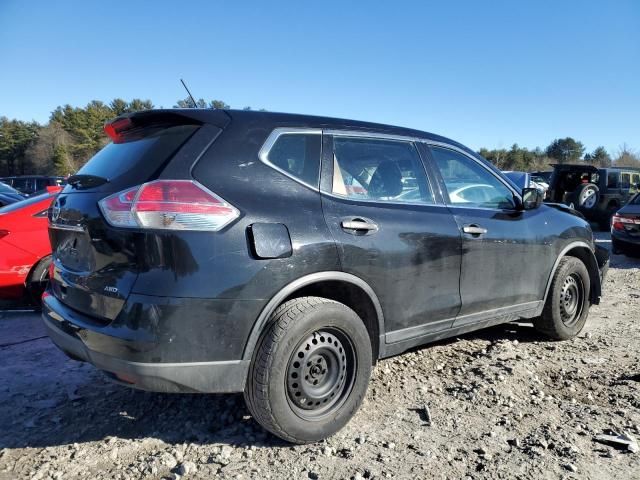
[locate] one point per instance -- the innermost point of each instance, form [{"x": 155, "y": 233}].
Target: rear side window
[
  {"x": 625, "y": 180},
  {"x": 297, "y": 155},
  {"x": 381, "y": 170},
  {"x": 612, "y": 180}
]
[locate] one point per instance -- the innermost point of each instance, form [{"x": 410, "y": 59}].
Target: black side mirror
[{"x": 531, "y": 198}]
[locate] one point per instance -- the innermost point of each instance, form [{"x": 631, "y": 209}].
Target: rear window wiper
[{"x": 86, "y": 181}]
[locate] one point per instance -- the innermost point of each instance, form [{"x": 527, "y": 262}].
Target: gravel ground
[{"x": 503, "y": 403}]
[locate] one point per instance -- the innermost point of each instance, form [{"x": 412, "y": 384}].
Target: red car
[{"x": 25, "y": 251}]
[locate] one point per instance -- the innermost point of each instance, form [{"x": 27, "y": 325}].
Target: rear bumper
[
  {"x": 225, "y": 376},
  {"x": 624, "y": 240}
]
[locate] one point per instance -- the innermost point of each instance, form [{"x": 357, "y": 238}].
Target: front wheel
[
  {"x": 567, "y": 305},
  {"x": 311, "y": 370}
]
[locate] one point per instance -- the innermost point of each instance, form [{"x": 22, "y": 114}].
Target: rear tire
[
  {"x": 37, "y": 281},
  {"x": 311, "y": 370},
  {"x": 567, "y": 306}
]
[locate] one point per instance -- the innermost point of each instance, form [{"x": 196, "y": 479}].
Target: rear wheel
[
  {"x": 311, "y": 370},
  {"x": 567, "y": 306},
  {"x": 37, "y": 281}
]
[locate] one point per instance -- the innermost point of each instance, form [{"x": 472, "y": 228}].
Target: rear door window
[{"x": 380, "y": 170}]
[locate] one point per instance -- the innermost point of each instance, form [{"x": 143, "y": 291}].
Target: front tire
[
  {"x": 567, "y": 306},
  {"x": 311, "y": 370}
]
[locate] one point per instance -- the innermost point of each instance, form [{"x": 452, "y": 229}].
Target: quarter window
[
  {"x": 297, "y": 154},
  {"x": 612, "y": 180},
  {"x": 469, "y": 184},
  {"x": 380, "y": 170}
]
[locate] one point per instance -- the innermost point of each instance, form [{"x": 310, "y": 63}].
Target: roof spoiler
[{"x": 117, "y": 128}]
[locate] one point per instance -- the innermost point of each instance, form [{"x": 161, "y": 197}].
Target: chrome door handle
[
  {"x": 474, "y": 230},
  {"x": 358, "y": 225}
]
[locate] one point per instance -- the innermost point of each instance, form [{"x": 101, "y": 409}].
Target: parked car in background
[
  {"x": 25, "y": 251},
  {"x": 596, "y": 192},
  {"x": 9, "y": 195},
  {"x": 544, "y": 176},
  {"x": 541, "y": 181},
  {"x": 30, "y": 184},
  {"x": 526, "y": 180},
  {"x": 282, "y": 255},
  {"x": 625, "y": 228}
]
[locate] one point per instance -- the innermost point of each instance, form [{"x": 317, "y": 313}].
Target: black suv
[
  {"x": 282, "y": 255},
  {"x": 596, "y": 192}
]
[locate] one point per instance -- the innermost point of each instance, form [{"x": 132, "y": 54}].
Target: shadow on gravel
[
  {"x": 173, "y": 419},
  {"x": 49, "y": 400}
]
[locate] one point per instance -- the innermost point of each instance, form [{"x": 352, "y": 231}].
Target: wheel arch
[
  {"x": 339, "y": 286},
  {"x": 582, "y": 251}
]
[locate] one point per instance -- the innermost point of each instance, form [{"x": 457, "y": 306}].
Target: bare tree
[
  {"x": 40, "y": 155},
  {"x": 626, "y": 157}
]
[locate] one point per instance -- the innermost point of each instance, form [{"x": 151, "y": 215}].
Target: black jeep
[{"x": 596, "y": 192}]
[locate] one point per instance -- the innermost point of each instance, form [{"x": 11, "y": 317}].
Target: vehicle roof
[
  {"x": 578, "y": 165},
  {"x": 278, "y": 119}
]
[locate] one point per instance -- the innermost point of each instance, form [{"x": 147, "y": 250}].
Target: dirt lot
[{"x": 504, "y": 403}]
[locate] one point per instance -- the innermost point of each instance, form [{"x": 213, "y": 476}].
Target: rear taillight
[
  {"x": 168, "y": 205},
  {"x": 618, "y": 221},
  {"x": 4, "y": 233}
]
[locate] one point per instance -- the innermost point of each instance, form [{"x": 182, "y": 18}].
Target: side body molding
[
  {"x": 305, "y": 281},
  {"x": 592, "y": 268}
]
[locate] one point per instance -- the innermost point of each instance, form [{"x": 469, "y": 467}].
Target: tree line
[{"x": 73, "y": 135}]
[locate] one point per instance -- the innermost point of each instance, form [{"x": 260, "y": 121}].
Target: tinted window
[
  {"x": 297, "y": 154},
  {"x": 635, "y": 200},
  {"x": 468, "y": 183},
  {"x": 148, "y": 153},
  {"x": 625, "y": 180},
  {"x": 612, "y": 180},
  {"x": 371, "y": 169},
  {"x": 23, "y": 184}
]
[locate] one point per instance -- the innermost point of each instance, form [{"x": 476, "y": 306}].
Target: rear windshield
[
  {"x": 635, "y": 200},
  {"x": 24, "y": 203},
  {"x": 138, "y": 159}
]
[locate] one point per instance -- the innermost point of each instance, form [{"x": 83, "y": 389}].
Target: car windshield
[
  {"x": 635, "y": 200},
  {"x": 4, "y": 188},
  {"x": 24, "y": 203}
]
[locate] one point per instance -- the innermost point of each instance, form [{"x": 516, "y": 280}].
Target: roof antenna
[{"x": 195, "y": 105}]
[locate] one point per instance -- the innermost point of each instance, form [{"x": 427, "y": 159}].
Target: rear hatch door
[{"x": 94, "y": 264}]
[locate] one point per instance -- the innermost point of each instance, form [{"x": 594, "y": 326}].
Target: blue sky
[{"x": 484, "y": 73}]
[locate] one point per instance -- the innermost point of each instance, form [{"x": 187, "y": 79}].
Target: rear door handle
[
  {"x": 358, "y": 225},
  {"x": 474, "y": 229}
]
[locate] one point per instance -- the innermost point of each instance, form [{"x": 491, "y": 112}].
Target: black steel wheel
[
  {"x": 571, "y": 299},
  {"x": 567, "y": 305},
  {"x": 320, "y": 373},
  {"x": 310, "y": 371}
]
